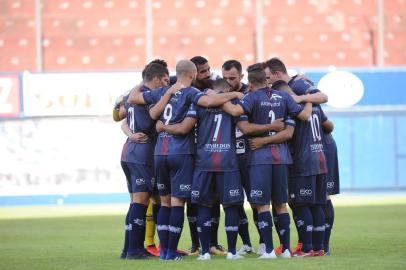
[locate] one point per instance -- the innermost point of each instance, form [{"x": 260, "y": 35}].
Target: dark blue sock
[
  {"x": 255, "y": 218},
  {"x": 304, "y": 225},
  {"x": 319, "y": 222},
  {"x": 329, "y": 214},
  {"x": 215, "y": 219},
  {"x": 294, "y": 215},
  {"x": 155, "y": 211},
  {"x": 204, "y": 227},
  {"x": 283, "y": 228},
  {"x": 231, "y": 227},
  {"x": 175, "y": 229},
  {"x": 243, "y": 226},
  {"x": 275, "y": 222},
  {"x": 191, "y": 212},
  {"x": 265, "y": 228},
  {"x": 137, "y": 234},
  {"x": 163, "y": 229},
  {"x": 127, "y": 230}
]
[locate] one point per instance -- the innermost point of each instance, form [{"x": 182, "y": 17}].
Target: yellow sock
[{"x": 150, "y": 226}]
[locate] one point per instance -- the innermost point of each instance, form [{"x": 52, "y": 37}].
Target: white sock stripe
[
  {"x": 319, "y": 228},
  {"x": 162, "y": 228},
  {"x": 231, "y": 228},
  {"x": 309, "y": 228},
  {"x": 174, "y": 229}
]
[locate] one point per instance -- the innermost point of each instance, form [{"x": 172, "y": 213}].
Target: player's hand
[
  {"x": 278, "y": 124},
  {"x": 239, "y": 95},
  {"x": 256, "y": 143},
  {"x": 159, "y": 126},
  {"x": 175, "y": 88},
  {"x": 139, "y": 137}
]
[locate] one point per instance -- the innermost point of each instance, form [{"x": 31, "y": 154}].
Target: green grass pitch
[{"x": 364, "y": 237}]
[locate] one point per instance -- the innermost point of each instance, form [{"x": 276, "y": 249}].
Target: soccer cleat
[
  {"x": 278, "y": 250},
  {"x": 194, "y": 251},
  {"x": 204, "y": 257},
  {"x": 174, "y": 257},
  {"x": 318, "y": 253},
  {"x": 123, "y": 255},
  {"x": 261, "y": 249},
  {"x": 266, "y": 256},
  {"x": 217, "y": 250},
  {"x": 297, "y": 248},
  {"x": 303, "y": 254},
  {"x": 153, "y": 250},
  {"x": 286, "y": 254},
  {"x": 231, "y": 256},
  {"x": 245, "y": 249},
  {"x": 137, "y": 256}
]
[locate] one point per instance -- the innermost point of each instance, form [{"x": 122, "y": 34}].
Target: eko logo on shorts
[
  {"x": 195, "y": 193},
  {"x": 330, "y": 185},
  {"x": 306, "y": 192},
  {"x": 184, "y": 187},
  {"x": 161, "y": 186},
  {"x": 256, "y": 193},
  {"x": 234, "y": 192},
  {"x": 140, "y": 181}
]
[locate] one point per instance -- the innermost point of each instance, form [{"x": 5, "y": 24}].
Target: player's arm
[
  {"x": 328, "y": 126},
  {"x": 136, "y": 96},
  {"x": 159, "y": 107},
  {"x": 216, "y": 100},
  {"x": 305, "y": 114},
  {"x": 233, "y": 109},
  {"x": 251, "y": 129},
  {"x": 181, "y": 128},
  {"x": 315, "y": 98},
  {"x": 119, "y": 113},
  {"x": 279, "y": 137},
  {"x": 138, "y": 137}
]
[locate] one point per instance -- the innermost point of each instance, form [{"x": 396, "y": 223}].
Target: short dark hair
[
  {"x": 220, "y": 84},
  {"x": 276, "y": 64},
  {"x": 155, "y": 61},
  {"x": 155, "y": 70},
  {"x": 199, "y": 60},
  {"x": 256, "y": 74},
  {"x": 229, "y": 64}
]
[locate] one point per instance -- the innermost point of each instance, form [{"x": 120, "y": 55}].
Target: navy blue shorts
[
  {"x": 174, "y": 174},
  {"x": 279, "y": 183},
  {"x": 227, "y": 185},
  {"x": 141, "y": 178},
  {"x": 333, "y": 176},
  {"x": 308, "y": 189},
  {"x": 126, "y": 171},
  {"x": 244, "y": 172}
]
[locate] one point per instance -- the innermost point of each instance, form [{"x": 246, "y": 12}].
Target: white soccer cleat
[
  {"x": 231, "y": 256},
  {"x": 267, "y": 256},
  {"x": 204, "y": 257},
  {"x": 245, "y": 249},
  {"x": 261, "y": 249},
  {"x": 286, "y": 254}
]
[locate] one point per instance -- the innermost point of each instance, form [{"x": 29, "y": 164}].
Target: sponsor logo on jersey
[
  {"x": 139, "y": 181},
  {"x": 195, "y": 193},
  {"x": 161, "y": 186},
  {"x": 330, "y": 185}
]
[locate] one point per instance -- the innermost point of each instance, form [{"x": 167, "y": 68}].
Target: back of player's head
[
  {"x": 256, "y": 74},
  {"x": 155, "y": 70},
  {"x": 275, "y": 64},
  {"x": 155, "y": 61},
  {"x": 199, "y": 60},
  {"x": 184, "y": 67},
  {"x": 220, "y": 84},
  {"x": 229, "y": 64}
]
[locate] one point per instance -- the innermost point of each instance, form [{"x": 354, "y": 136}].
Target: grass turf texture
[{"x": 364, "y": 237}]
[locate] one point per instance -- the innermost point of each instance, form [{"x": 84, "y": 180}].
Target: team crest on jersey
[{"x": 275, "y": 97}]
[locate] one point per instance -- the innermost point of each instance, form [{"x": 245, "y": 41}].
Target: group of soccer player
[{"x": 203, "y": 140}]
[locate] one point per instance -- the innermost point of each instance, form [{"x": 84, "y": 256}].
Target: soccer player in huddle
[
  {"x": 216, "y": 171},
  {"x": 260, "y": 105},
  {"x": 307, "y": 175},
  {"x": 174, "y": 153},
  {"x": 232, "y": 73},
  {"x": 137, "y": 160}
]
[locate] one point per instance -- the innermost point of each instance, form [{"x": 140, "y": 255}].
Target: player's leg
[
  {"x": 191, "y": 212},
  {"x": 260, "y": 195},
  {"x": 319, "y": 219},
  {"x": 164, "y": 190},
  {"x": 229, "y": 188},
  {"x": 127, "y": 218},
  {"x": 202, "y": 196},
  {"x": 141, "y": 184},
  {"x": 215, "y": 248},
  {"x": 301, "y": 193},
  {"x": 181, "y": 174},
  {"x": 329, "y": 215},
  {"x": 279, "y": 208},
  {"x": 150, "y": 229}
]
